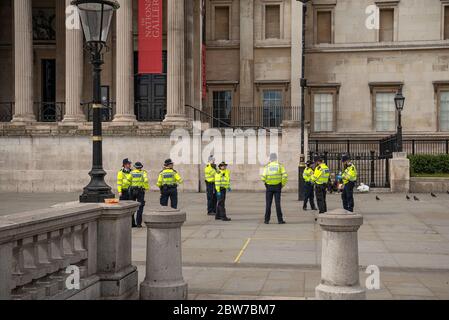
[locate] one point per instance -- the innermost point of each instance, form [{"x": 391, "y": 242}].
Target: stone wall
[
  {"x": 427, "y": 185},
  {"x": 56, "y": 158}
]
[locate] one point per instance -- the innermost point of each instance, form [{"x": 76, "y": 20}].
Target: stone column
[
  {"x": 189, "y": 42},
  {"x": 340, "y": 257},
  {"x": 118, "y": 277},
  {"x": 23, "y": 54},
  {"x": 400, "y": 173},
  {"x": 60, "y": 50},
  {"x": 197, "y": 54},
  {"x": 125, "y": 63},
  {"x": 163, "y": 279},
  {"x": 74, "y": 74},
  {"x": 296, "y": 64},
  {"x": 246, "y": 53},
  {"x": 175, "y": 63}
]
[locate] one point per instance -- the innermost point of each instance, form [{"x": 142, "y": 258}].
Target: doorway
[
  {"x": 47, "y": 107},
  {"x": 150, "y": 93}
]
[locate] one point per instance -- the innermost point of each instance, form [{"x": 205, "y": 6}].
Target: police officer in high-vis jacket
[
  {"x": 222, "y": 186},
  {"x": 275, "y": 178},
  {"x": 349, "y": 178},
  {"x": 168, "y": 182},
  {"x": 124, "y": 179},
  {"x": 209, "y": 176},
  {"x": 320, "y": 178},
  {"x": 308, "y": 186},
  {"x": 139, "y": 184}
]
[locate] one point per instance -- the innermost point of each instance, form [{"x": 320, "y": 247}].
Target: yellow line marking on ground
[{"x": 237, "y": 259}]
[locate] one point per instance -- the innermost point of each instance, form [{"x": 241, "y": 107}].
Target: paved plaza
[{"x": 244, "y": 258}]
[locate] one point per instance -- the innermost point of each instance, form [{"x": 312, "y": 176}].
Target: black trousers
[
  {"x": 221, "y": 205},
  {"x": 348, "y": 196},
  {"x": 169, "y": 193},
  {"x": 211, "y": 197},
  {"x": 320, "y": 193},
  {"x": 273, "y": 191},
  {"x": 139, "y": 196},
  {"x": 308, "y": 195}
]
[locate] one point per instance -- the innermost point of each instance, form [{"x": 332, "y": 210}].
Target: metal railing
[
  {"x": 389, "y": 145},
  {"x": 372, "y": 168},
  {"x": 107, "y": 111},
  {"x": 50, "y": 111},
  {"x": 384, "y": 147},
  {"x": 6, "y": 111},
  {"x": 434, "y": 146},
  {"x": 248, "y": 116}
]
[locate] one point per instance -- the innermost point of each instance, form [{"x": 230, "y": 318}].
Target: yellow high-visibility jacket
[
  {"x": 274, "y": 173},
  {"x": 209, "y": 173},
  {"x": 169, "y": 177},
  {"x": 140, "y": 179},
  {"x": 222, "y": 179},
  {"x": 350, "y": 174},
  {"x": 321, "y": 174},
  {"x": 307, "y": 174},
  {"x": 124, "y": 179}
]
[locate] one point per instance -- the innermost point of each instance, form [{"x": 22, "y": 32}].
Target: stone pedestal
[
  {"x": 340, "y": 257},
  {"x": 163, "y": 279},
  {"x": 400, "y": 173},
  {"x": 118, "y": 277}
]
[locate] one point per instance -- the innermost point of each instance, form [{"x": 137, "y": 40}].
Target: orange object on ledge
[{"x": 111, "y": 201}]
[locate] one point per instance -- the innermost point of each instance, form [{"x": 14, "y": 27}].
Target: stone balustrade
[{"x": 37, "y": 247}]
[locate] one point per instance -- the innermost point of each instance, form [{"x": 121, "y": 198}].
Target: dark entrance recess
[
  {"x": 47, "y": 108},
  {"x": 150, "y": 93}
]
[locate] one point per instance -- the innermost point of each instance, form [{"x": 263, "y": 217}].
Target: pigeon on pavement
[
  {"x": 433, "y": 194},
  {"x": 377, "y": 198},
  {"x": 407, "y": 197},
  {"x": 415, "y": 198}
]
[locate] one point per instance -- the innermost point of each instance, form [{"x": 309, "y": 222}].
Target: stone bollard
[
  {"x": 340, "y": 257},
  {"x": 163, "y": 279},
  {"x": 400, "y": 173}
]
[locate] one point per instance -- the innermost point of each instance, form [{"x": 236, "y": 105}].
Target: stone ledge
[
  {"x": 429, "y": 184},
  {"x": 85, "y": 129}
]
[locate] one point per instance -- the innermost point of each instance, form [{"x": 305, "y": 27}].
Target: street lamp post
[
  {"x": 302, "y": 156},
  {"x": 399, "y": 101},
  {"x": 96, "y": 17}
]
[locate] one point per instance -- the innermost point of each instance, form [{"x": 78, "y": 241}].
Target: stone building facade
[
  {"x": 252, "y": 64},
  {"x": 236, "y": 60}
]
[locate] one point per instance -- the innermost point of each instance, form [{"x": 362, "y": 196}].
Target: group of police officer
[
  {"x": 218, "y": 181},
  {"x": 132, "y": 185},
  {"x": 316, "y": 176}
]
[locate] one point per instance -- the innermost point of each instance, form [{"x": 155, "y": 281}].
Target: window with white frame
[
  {"x": 323, "y": 112},
  {"x": 444, "y": 111},
  {"x": 385, "y": 111}
]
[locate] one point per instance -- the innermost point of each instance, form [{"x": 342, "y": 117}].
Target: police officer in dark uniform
[
  {"x": 320, "y": 178},
  {"x": 308, "y": 187},
  {"x": 139, "y": 184},
  {"x": 168, "y": 182}
]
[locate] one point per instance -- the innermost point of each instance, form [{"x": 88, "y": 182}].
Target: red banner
[
  {"x": 150, "y": 36},
  {"x": 204, "y": 71}
]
